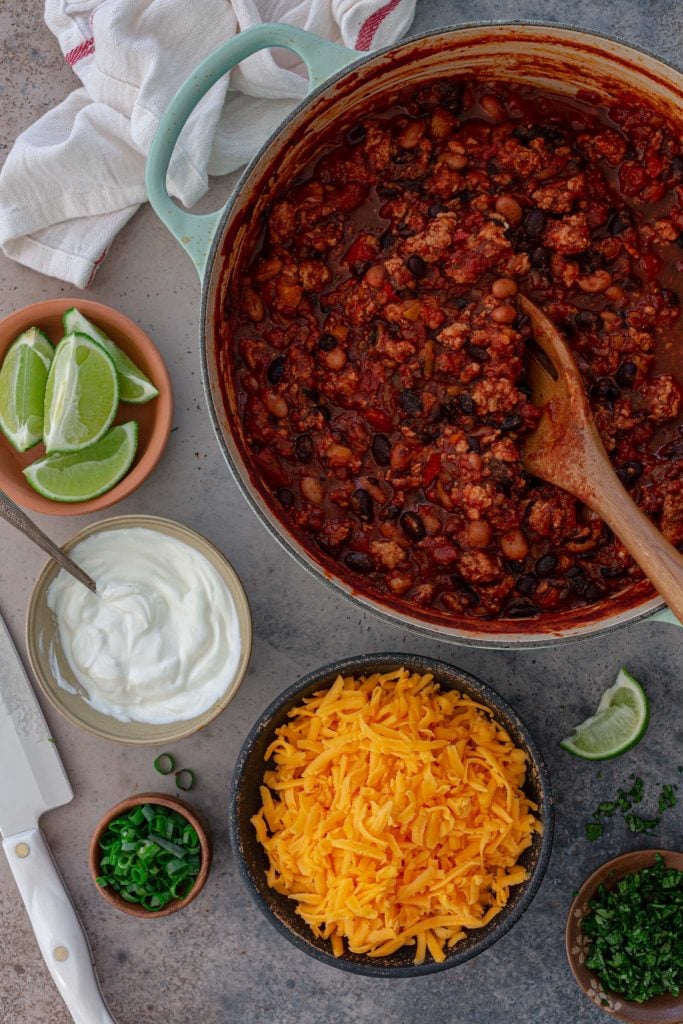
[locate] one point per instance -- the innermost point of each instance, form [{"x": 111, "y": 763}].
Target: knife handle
[{"x": 60, "y": 935}]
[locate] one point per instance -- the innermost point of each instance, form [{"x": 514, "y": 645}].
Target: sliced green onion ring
[
  {"x": 164, "y": 764},
  {"x": 184, "y": 779}
]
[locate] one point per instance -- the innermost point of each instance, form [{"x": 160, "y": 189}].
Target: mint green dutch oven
[{"x": 344, "y": 85}]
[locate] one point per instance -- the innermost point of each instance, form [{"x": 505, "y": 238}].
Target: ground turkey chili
[{"x": 377, "y": 352}]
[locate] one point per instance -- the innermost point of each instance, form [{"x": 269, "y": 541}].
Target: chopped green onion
[
  {"x": 184, "y": 779},
  {"x": 164, "y": 764},
  {"x": 150, "y": 856}
]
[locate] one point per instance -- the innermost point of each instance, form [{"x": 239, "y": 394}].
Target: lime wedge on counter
[
  {"x": 81, "y": 397},
  {"x": 618, "y": 724},
  {"x": 79, "y": 476},
  {"x": 23, "y": 378},
  {"x": 134, "y": 386}
]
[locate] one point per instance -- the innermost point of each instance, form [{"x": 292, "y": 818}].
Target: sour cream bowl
[{"x": 65, "y": 684}]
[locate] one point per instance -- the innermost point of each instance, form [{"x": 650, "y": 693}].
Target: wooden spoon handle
[
  {"x": 13, "y": 514},
  {"x": 659, "y": 560}
]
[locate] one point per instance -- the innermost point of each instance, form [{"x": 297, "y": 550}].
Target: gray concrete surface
[{"x": 219, "y": 962}]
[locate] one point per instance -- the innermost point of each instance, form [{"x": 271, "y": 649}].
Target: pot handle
[{"x": 195, "y": 231}]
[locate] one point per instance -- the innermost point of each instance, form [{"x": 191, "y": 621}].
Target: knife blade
[{"x": 32, "y": 781}]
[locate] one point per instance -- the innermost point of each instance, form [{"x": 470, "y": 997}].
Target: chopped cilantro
[
  {"x": 635, "y": 933},
  {"x": 624, "y": 802},
  {"x": 667, "y": 798},
  {"x": 593, "y": 830}
]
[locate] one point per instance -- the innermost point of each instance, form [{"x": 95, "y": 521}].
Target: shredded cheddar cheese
[{"x": 394, "y": 815}]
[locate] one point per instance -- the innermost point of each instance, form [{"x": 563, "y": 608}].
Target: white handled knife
[{"x": 32, "y": 781}]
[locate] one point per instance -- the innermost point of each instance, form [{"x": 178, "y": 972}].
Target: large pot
[{"x": 343, "y": 83}]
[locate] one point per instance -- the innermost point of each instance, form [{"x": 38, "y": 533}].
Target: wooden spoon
[
  {"x": 566, "y": 450},
  {"x": 13, "y": 514}
]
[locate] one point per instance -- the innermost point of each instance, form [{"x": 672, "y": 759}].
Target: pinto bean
[
  {"x": 275, "y": 404},
  {"x": 375, "y": 275},
  {"x": 411, "y": 134},
  {"x": 456, "y": 161},
  {"x": 504, "y": 314},
  {"x": 253, "y": 305},
  {"x": 508, "y": 207},
  {"x": 493, "y": 107},
  {"x": 514, "y": 544},
  {"x": 312, "y": 490},
  {"x": 504, "y": 288},
  {"x": 336, "y": 359},
  {"x": 268, "y": 269},
  {"x": 478, "y": 533}
]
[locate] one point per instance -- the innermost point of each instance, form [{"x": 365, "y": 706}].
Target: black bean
[
  {"x": 403, "y": 229},
  {"x": 588, "y": 261},
  {"x": 435, "y": 209},
  {"x": 492, "y": 167},
  {"x": 386, "y": 240},
  {"x": 461, "y": 302},
  {"x": 516, "y": 565},
  {"x": 303, "y": 448},
  {"x": 285, "y": 497},
  {"x": 428, "y": 434},
  {"x": 360, "y": 267},
  {"x": 587, "y": 320},
  {"x": 526, "y": 133},
  {"x": 391, "y": 512},
  {"x": 412, "y": 526},
  {"x": 466, "y": 403},
  {"x": 520, "y": 610},
  {"x": 327, "y": 342},
  {"x": 592, "y": 592},
  {"x": 613, "y": 572},
  {"x": 312, "y": 394},
  {"x": 533, "y": 222},
  {"x": 276, "y": 369},
  {"x": 464, "y": 195},
  {"x": 604, "y": 391},
  {"x": 511, "y": 422},
  {"x": 676, "y": 167},
  {"x": 671, "y": 298},
  {"x": 417, "y": 266},
  {"x": 473, "y": 443},
  {"x": 476, "y": 352},
  {"x": 381, "y": 449},
  {"x": 574, "y": 571},
  {"x": 672, "y": 449},
  {"x": 356, "y": 134},
  {"x": 359, "y": 562},
  {"x": 518, "y": 238},
  {"x": 540, "y": 257},
  {"x": 324, "y": 412},
  {"x": 628, "y": 472},
  {"x": 525, "y": 584},
  {"x": 361, "y": 505},
  {"x": 410, "y": 402},
  {"x": 618, "y": 221},
  {"x": 679, "y": 241},
  {"x": 626, "y": 374},
  {"x": 545, "y": 565}
]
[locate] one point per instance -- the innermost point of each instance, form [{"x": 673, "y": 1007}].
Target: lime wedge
[
  {"x": 81, "y": 397},
  {"x": 23, "y": 378},
  {"x": 618, "y": 724},
  {"x": 134, "y": 386},
  {"x": 79, "y": 476}
]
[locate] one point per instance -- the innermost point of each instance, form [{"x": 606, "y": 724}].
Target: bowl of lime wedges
[{"x": 85, "y": 406}]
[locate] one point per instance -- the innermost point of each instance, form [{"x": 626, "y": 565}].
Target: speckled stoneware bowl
[
  {"x": 154, "y": 418},
  {"x": 46, "y": 656},
  {"x": 252, "y": 861},
  {"x": 175, "y": 804},
  {"x": 662, "y": 1009}
]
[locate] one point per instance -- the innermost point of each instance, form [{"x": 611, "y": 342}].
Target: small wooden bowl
[
  {"x": 154, "y": 418},
  {"x": 175, "y": 804},
  {"x": 661, "y": 1009}
]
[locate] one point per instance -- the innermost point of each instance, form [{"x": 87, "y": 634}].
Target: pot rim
[{"x": 396, "y": 617}]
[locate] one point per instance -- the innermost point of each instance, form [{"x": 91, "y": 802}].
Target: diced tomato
[
  {"x": 378, "y": 419},
  {"x": 431, "y": 470}
]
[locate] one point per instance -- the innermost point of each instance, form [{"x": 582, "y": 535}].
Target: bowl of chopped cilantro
[
  {"x": 624, "y": 937},
  {"x": 150, "y": 855}
]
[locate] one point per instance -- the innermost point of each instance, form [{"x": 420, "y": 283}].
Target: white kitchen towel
[{"x": 75, "y": 177}]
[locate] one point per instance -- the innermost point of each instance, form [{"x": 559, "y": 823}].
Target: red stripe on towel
[
  {"x": 96, "y": 266},
  {"x": 371, "y": 24},
  {"x": 84, "y": 49}
]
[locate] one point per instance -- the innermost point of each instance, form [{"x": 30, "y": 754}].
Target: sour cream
[{"x": 160, "y": 640}]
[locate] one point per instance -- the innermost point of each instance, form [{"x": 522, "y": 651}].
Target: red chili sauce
[{"x": 378, "y": 354}]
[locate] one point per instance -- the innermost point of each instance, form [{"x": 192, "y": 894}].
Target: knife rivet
[
  {"x": 22, "y": 849},
  {"x": 61, "y": 953}
]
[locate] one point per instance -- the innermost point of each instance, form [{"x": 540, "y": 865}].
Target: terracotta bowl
[
  {"x": 175, "y": 804},
  {"x": 47, "y": 659},
  {"x": 662, "y": 1009},
  {"x": 154, "y": 418},
  {"x": 252, "y": 862}
]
